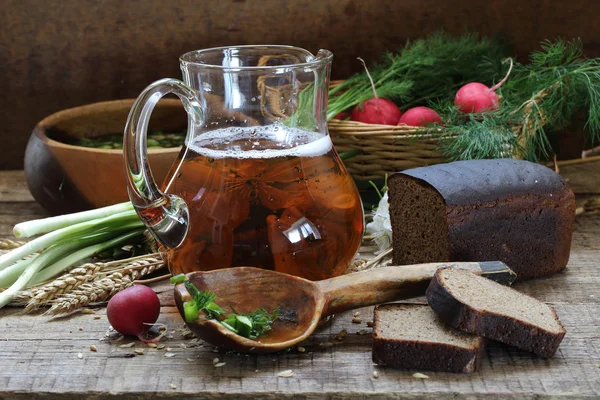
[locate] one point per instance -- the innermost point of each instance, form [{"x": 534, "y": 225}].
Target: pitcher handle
[{"x": 165, "y": 215}]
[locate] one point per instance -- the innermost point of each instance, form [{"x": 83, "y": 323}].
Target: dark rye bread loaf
[
  {"x": 483, "y": 307},
  {"x": 411, "y": 336},
  {"x": 513, "y": 211}
]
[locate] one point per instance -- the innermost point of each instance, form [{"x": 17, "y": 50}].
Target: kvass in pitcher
[{"x": 258, "y": 182}]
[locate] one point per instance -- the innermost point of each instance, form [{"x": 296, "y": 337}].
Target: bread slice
[
  {"x": 480, "y": 306},
  {"x": 411, "y": 336}
]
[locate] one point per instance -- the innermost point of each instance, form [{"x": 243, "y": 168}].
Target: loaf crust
[
  {"x": 513, "y": 211},
  {"x": 505, "y": 329},
  {"x": 422, "y": 354}
]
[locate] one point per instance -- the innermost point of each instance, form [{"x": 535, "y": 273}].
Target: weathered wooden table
[{"x": 47, "y": 358}]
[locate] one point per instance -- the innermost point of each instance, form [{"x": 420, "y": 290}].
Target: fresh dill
[{"x": 262, "y": 321}]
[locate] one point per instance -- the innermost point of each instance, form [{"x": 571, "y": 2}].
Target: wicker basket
[{"x": 385, "y": 148}]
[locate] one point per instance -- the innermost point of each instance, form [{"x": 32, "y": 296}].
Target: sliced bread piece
[
  {"x": 480, "y": 306},
  {"x": 411, "y": 336}
]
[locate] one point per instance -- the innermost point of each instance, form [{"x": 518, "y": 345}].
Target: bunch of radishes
[{"x": 473, "y": 97}]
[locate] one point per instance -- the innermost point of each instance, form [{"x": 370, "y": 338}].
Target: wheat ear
[{"x": 102, "y": 289}]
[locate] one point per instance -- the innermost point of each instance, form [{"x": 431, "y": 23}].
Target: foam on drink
[{"x": 240, "y": 142}]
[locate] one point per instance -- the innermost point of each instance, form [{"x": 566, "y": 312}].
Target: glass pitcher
[{"x": 258, "y": 181}]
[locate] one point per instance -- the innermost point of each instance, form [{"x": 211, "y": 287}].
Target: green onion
[
  {"x": 33, "y": 268},
  {"x": 86, "y": 252},
  {"x": 229, "y": 326},
  {"x": 8, "y": 276},
  {"x": 190, "y": 311},
  {"x": 67, "y": 240},
  {"x": 178, "y": 278},
  {"x": 244, "y": 325},
  {"x": 95, "y": 225},
  {"x": 45, "y": 225},
  {"x": 213, "y": 310}
]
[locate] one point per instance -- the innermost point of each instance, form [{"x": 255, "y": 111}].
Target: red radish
[
  {"x": 419, "y": 116},
  {"x": 133, "y": 311},
  {"x": 475, "y": 97},
  {"x": 375, "y": 110},
  {"x": 344, "y": 115}
]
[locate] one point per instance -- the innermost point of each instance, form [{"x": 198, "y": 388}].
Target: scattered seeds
[
  {"x": 219, "y": 365},
  {"x": 163, "y": 328},
  {"x": 375, "y": 374},
  {"x": 93, "y": 348},
  {"x": 127, "y": 345},
  {"x": 139, "y": 351},
  {"x": 370, "y": 324},
  {"x": 186, "y": 334},
  {"x": 288, "y": 373},
  {"x": 169, "y": 355},
  {"x": 172, "y": 386},
  {"x": 160, "y": 346},
  {"x": 341, "y": 335},
  {"x": 152, "y": 345},
  {"x": 168, "y": 349},
  {"x": 215, "y": 360},
  {"x": 301, "y": 349},
  {"x": 419, "y": 375},
  {"x": 356, "y": 320},
  {"x": 356, "y": 313},
  {"x": 79, "y": 355},
  {"x": 362, "y": 332},
  {"x": 97, "y": 317},
  {"x": 88, "y": 311},
  {"x": 189, "y": 359},
  {"x": 182, "y": 345}
]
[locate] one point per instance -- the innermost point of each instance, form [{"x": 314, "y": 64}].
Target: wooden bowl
[{"x": 66, "y": 178}]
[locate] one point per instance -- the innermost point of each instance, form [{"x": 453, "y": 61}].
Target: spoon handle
[{"x": 386, "y": 284}]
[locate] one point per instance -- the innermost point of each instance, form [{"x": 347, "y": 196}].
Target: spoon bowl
[
  {"x": 298, "y": 300},
  {"x": 302, "y": 303}
]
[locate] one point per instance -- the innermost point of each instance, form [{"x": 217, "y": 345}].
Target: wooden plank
[
  {"x": 584, "y": 176},
  {"x": 13, "y": 187},
  {"x": 13, "y": 213}
]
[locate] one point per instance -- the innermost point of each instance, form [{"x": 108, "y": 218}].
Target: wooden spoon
[{"x": 302, "y": 303}]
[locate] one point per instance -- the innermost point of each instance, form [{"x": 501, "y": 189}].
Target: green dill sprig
[
  {"x": 550, "y": 92},
  {"x": 262, "y": 321}
]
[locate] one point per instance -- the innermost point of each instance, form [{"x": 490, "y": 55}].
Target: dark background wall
[{"x": 59, "y": 54}]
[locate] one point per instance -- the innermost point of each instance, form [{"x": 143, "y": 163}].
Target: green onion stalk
[{"x": 65, "y": 241}]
